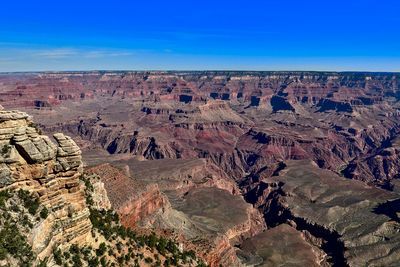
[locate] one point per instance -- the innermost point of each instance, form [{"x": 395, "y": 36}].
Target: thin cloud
[
  {"x": 57, "y": 53},
  {"x": 99, "y": 54},
  {"x": 62, "y": 53},
  {"x": 120, "y": 54}
]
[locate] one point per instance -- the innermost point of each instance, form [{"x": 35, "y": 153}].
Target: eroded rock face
[
  {"x": 50, "y": 171},
  {"x": 133, "y": 200},
  {"x": 209, "y": 220},
  {"x": 178, "y": 174},
  {"x": 337, "y": 215}
]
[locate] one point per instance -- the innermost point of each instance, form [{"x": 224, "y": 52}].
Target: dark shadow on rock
[{"x": 389, "y": 208}]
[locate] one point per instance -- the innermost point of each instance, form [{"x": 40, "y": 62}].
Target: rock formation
[
  {"x": 133, "y": 200},
  {"x": 50, "y": 171}
]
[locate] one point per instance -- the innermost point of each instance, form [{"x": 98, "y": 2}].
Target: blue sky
[{"x": 337, "y": 35}]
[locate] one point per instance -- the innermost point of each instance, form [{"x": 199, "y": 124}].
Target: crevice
[{"x": 24, "y": 154}]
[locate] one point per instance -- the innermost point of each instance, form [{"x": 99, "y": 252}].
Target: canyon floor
[{"x": 245, "y": 168}]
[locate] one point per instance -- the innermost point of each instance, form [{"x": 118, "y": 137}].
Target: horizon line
[{"x": 203, "y": 70}]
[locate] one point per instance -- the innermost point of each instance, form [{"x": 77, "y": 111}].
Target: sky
[{"x": 320, "y": 35}]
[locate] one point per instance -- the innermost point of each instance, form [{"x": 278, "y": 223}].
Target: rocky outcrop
[
  {"x": 133, "y": 200},
  {"x": 49, "y": 171},
  {"x": 219, "y": 253},
  {"x": 99, "y": 194}
]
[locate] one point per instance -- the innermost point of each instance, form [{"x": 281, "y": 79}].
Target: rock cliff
[
  {"x": 133, "y": 200},
  {"x": 206, "y": 220},
  {"x": 50, "y": 172}
]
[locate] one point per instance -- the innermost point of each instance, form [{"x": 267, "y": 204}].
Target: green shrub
[
  {"x": 15, "y": 208},
  {"x": 93, "y": 262},
  {"x": 5, "y": 150},
  {"x": 58, "y": 257},
  {"x": 43, "y": 263},
  {"x": 14, "y": 243},
  {"x": 119, "y": 247},
  {"x": 44, "y": 213},
  {"x": 121, "y": 260},
  {"x": 4, "y": 196},
  {"x": 101, "y": 250},
  {"x": 103, "y": 262},
  {"x": 30, "y": 203},
  {"x": 76, "y": 259},
  {"x": 3, "y": 252},
  {"x": 152, "y": 240},
  {"x": 74, "y": 249}
]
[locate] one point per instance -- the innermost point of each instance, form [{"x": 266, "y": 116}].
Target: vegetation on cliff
[
  {"x": 113, "y": 244},
  {"x": 123, "y": 247},
  {"x": 18, "y": 213}
]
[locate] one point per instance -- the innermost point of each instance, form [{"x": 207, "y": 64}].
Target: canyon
[{"x": 245, "y": 168}]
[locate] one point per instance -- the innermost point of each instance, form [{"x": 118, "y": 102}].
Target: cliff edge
[{"x": 50, "y": 172}]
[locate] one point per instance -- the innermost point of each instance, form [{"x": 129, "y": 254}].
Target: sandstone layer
[{"x": 50, "y": 171}]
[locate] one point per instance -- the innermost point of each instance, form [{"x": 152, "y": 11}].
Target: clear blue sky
[{"x": 197, "y": 35}]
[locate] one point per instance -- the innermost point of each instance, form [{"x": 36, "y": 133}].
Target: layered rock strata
[
  {"x": 206, "y": 219},
  {"x": 133, "y": 200},
  {"x": 49, "y": 171},
  {"x": 239, "y": 121}
]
